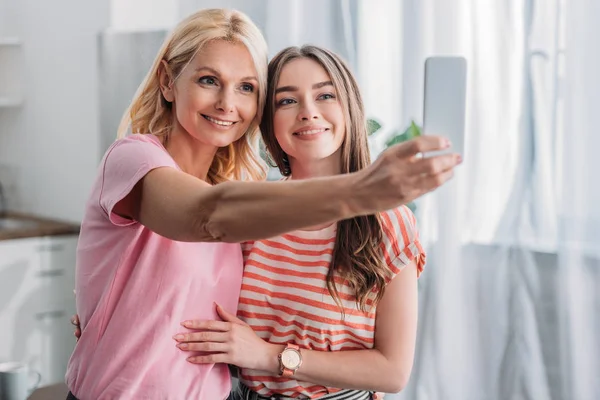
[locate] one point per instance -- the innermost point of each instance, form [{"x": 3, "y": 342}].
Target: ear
[{"x": 165, "y": 80}]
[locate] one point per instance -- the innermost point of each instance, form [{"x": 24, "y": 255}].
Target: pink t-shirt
[{"x": 134, "y": 287}]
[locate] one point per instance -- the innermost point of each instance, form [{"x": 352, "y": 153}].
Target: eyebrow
[
  {"x": 215, "y": 72},
  {"x": 295, "y": 88}
]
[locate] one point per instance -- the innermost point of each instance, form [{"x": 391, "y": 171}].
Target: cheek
[
  {"x": 340, "y": 124},
  {"x": 189, "y": 101},
  {"x": 281, "y": 127},
  {"x": 248, "y": 109},
  {"x": 284, "y": 120}
]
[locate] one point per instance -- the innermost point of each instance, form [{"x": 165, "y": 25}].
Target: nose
[
  {"x": 225, "y": 102},
  {"x": 308, "y": 112}
]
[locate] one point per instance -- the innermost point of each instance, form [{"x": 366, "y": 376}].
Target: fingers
[
  {"x": 206, "y": 347},
  {"x": 431, "y": 182},
  {"x": 202, "y": 337},
  {"x": 210, "y": 359},
  {"x": 421, "y": 144},
  {"x": 435, "y": 165},
  {"x": 227, "y": 316},
  {"x": 75, "y": 322},
  {"x": 207, "y": 325}
]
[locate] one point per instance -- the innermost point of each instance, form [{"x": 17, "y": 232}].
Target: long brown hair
[
  {"x": 150, "y": 113},
  {"x": 357, "y": 256}
]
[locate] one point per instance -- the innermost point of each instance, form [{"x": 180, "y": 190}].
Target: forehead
[
  {"x": 229, "y": 58},
  {"x": 302, "y": 72}
]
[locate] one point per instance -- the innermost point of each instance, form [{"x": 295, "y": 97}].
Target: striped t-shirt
[{"x": 285, "y": 299}]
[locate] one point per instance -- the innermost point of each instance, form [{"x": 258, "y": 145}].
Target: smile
[
  {"x": 218, "y": 121},
  {"x": 311, "y": 132}
]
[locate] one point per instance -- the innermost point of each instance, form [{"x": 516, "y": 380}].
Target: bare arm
[
  {"x": 387, "y": 367},
  {"x": 181, "y": 207}
]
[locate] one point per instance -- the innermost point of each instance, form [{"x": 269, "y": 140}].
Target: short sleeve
[
  {"x": 126, "y": 162},
  {"x": 400, "y": 244}
]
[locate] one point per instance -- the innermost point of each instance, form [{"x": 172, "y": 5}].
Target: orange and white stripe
[{"x": 284, "y": 296}]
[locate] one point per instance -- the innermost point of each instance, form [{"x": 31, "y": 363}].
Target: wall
[
  {"x": 136, "y": 15},
  {"x": 50, "y": 143}
]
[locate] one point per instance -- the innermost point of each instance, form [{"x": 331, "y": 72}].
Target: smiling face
[
  {"x": 308, "y": 121},
  {"x": 215, "y": 97}
]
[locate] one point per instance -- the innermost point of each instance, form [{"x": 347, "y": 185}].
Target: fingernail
[
  {"x": 185, "y": 323},
  {"x": 182, "y": 345},
  {"x": 447, "y": 143},
  {"x": 459, "y": 159},
  {"x": 191, "y": 359},
  {"x": 179, "y": 336}
]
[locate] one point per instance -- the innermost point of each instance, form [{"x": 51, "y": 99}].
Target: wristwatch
[{"x": 290, "y": 359}]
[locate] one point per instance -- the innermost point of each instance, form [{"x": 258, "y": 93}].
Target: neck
[
  {"x": 191, "y": 156},
  {"x": 306, "y": 169}
]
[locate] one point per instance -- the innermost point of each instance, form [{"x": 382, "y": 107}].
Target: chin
[
  {"x": 221, "y": 143},
  {"x": 218, "y": 141},
  {"x": 314, "y": 157}
]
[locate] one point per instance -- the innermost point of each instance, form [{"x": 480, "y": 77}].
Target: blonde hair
[
  {"x": 150, "y": 113},
  {"x": 357, "y": 254}
]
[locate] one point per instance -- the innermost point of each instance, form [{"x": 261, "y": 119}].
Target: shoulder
[
  {"x": 137, "y": 143},
  {"x": 400, "y": 239},
  {"x": 399, "y": 223},
  {"x": 137, "y": 149}
]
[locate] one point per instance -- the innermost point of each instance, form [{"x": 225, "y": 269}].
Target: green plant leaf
[
  {"x": 372, "y": 126},
  {"x": 411, "y": 132},
  {"x": 398, "y": 137}
]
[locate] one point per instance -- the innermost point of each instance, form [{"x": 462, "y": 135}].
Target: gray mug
[{"x": 15, "y": 381}]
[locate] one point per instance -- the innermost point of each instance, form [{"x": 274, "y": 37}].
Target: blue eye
[
  {"x": 246, "y": 87},
  {"x": 285, "y": 102},
  {"x": 327, "y": 96},
  {"x": 208, "y": 80}
]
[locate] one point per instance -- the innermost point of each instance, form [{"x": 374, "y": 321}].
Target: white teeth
[
  {"x": 218, "y": 122},
  {"x": 311, "y": 132}
]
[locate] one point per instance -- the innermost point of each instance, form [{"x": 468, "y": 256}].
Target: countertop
[{"x": 34, "y": 226}]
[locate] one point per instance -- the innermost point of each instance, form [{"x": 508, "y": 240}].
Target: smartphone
[{"x": 445, "y": 100}]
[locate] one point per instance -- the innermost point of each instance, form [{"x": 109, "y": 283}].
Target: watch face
[{"x": 290, "y": 359}]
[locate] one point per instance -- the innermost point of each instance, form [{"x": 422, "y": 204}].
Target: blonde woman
[
  {"x": 330, "y": 311},
  {"x": 158, "y": 242}
]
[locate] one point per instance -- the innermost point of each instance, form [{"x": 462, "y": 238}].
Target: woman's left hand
[{"x": 230, "y": 341}]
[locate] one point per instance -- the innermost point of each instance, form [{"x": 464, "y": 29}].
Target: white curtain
[
  {"x": 325, "y": 23},
  {"x": 510, "y": 303}
]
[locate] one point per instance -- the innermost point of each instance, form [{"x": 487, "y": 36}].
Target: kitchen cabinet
[{"x": 37, "y": 277}]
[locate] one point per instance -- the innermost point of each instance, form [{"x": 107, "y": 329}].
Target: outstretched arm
[{"x": 181, "y": 207}]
